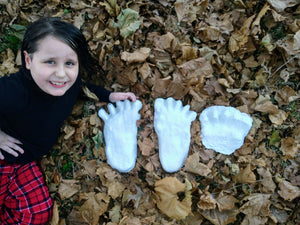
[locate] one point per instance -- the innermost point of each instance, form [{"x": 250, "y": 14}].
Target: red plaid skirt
[{"x": 24, "y": 196}]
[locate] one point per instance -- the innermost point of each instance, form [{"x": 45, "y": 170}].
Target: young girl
[{"x": 34, "y": 103}]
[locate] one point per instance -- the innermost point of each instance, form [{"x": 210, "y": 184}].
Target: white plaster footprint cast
[
  {"x": 120, "y": 134},
  {"x": 223, "y": 128},
  {"x": 172, "y": 123}
]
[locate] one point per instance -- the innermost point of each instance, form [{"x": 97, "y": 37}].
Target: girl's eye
[
  {"x": 69, "y": 63},
  {"x": 50, "y": 62}
]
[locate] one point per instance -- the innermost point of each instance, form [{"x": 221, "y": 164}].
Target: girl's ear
[{"x": 27, "y": 59}]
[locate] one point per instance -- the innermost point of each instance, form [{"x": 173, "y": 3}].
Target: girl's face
[{"x": 54, "y": 66}]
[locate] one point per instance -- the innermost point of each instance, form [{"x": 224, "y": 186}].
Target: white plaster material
[
  {"x": 120, "y": 134},
  {"x": 223, "y": 128},
  {"x": 172, "y": 123}
]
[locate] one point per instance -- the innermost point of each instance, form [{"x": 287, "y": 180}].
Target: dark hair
[{"x": 65, "y": 32}]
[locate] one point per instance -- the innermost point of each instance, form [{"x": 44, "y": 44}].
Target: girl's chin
[{"x": 57, "y": 92}]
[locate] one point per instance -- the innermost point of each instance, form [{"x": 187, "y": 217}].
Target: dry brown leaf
[
  {"x": 281, "y": 5},
  {"x": 130, "y": 221},
  {"x": 187, "y": 10},
  {"x": 90, "y": 167},
  {"x": 239, "y": 39},
  {"x": 146, "y": 146},
  {"x": 166, "y": 42},
  {"x": 67, "y": 188},
  {"x": 167, "y": 190},
  {"x": 115, "y": 189},
  {"x": 251, "y": 62},
  {"x": 163, "y": 61},
  {"x": 225, "y": 202},
  {"x": 55, "y": 215},
  {"x": 94, "y": 207},
  {"x": 177, "y": 90},
  {"x": 115, "y": 213},
  {"x": 285, "y": 95},
  {"x": 268, "y": 185},
  {"x": 255, "y": 27},
  {"x": 206, "y": 201},
  {"x": 188, "y": 53},
  {"x": 278, "y": 118},
  {"x": 193, "y": 165},
  {"x": 69, "y": 131},
  {"x": 160, "y": 88},
  {"x": 128, "y": 76},
  {"x": 8, "y": 63},
  {"x": 210, "y": 33},
  {"x": 289, "y": 147},
  {"x": 220, "y": 218},
  {"x": 288, "y": 191},
  {"x": 137, "y": 56},
  {"x": 257, "y": 205},
  {"x": 107, "y": 174},
  {"x": 264, "y": 104},
  {"x": 245, "y": 176},
  {"x": 95, "y": 120},
  {"x": 196, "y": 68},
  {"x": 254, "y": 220}
]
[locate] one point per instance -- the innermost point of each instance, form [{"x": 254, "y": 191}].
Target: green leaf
[
  {"x": 128, "y": 22},
  {"x": 275, "y": 138},
  {"x": 98, "y": 139}
]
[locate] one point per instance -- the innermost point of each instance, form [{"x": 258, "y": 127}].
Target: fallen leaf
[
  {"x": 256, "y": 205},
  {"x": 167, "y": 190},
  {"x": 289, "y": 147},
  {"x": 128, "y": 22},
  {"x": 225, "y": 202},
  {"x": 288, "y": 191},
  {"x": 93, "y": 207},
  {"x": 251, "y": 220},
  {"x": 281, "y": 5},
  {"x": 245, "y": 176},
  {"x": 67, "y": 188},
  {"x": 268, "y": 185},
  {"x": 220, "y": 218},
  {"x": 206, "y": 201},
  {"x": 193, "y": 165},
  {"x": 146, "y": 146},
  {"x": 55, "y": 215},
  {"x": 137, "y": 56}
]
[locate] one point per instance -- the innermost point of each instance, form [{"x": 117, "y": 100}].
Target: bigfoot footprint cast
[
  {"x": 223, "y": 128},
  {"x": 172, "y": 123},
  {"x": 120, "y": 134}
]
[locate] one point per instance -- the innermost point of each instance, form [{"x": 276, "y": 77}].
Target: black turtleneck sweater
[{"x": 34, "y": 117}]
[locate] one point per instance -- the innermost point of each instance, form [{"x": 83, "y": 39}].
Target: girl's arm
[
  {"x": 120, "y": 96},
  {"x": 10, "y": 145}
]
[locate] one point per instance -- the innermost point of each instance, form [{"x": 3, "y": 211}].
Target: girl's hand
[
  {"x": 120, "y": 96},
  {"x": 10, "y": 145}
]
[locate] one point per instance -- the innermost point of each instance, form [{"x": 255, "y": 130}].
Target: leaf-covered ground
[{"x": 238, "y": 53}]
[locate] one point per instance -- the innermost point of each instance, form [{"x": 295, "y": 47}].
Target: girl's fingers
[
  {"x": 17, "y": 148},
  {"x": 1, "y": 156},
  {"x": 10, "y": 151},
  {"x": 14, "y": 140}
]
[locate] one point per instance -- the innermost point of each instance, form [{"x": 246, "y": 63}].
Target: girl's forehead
[
  {"x": 53, "y": 45},
  {"x": 50, "y": 39}
]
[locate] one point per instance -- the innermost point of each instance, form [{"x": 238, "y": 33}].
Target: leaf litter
[{"x": 243, "y": 54}]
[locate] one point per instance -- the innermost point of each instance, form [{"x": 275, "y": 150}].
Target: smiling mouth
[{"x": 57, "y": 84}]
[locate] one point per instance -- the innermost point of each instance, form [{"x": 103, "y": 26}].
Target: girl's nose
[{"x": 60, "y": 71}]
